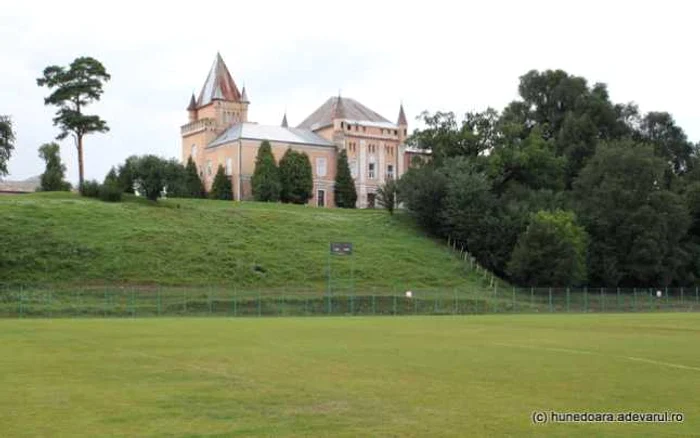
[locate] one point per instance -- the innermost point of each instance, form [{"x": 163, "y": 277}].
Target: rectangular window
[
  {"x": 209, "y": 167},
  {"x": 390, "y": 171},
  {"x": 229, "y": 166},
  {"x": 353, "y": 168},
  {"x": 370, "y": 174},
  {"x": 321, "y": 198},
  {"x": 320, "y": 166}
]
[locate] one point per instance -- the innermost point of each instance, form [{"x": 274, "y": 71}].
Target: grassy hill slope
[{"x": 65, "y": 240}]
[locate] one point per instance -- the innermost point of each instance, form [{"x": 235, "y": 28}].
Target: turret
[
  {"x": 403, "y": 125},
  {"x": 192, "y": 109}
]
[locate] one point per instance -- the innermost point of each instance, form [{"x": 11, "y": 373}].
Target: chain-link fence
[{"x": 33, "y": 302}]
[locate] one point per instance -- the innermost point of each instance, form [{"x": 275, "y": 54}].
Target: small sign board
[{"x": 341, "y": 248}]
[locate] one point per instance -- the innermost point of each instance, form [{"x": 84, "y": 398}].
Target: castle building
[{"x": 219, "y": 133}]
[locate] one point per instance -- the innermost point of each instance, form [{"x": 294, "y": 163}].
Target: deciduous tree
[
  {"x": 52, "y": 178},
  {"x": 7, "y": 143}
]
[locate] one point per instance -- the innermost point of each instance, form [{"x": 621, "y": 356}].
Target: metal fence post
[
  {"x": 133, "y": 310},
  {"x": 394, "y": 304},
  {"x": 513, "y": 310},
  {"x": 696, "y": 295},
  {"x": 259, "y": 306},
  {"x": 21, "y": 295},
  {"x": 532, "y": 296},
  {"x": 159, "y": 301},
  {"x": 618, "y": 299},
  {"x": 352, "y": 304},
  {"x": 374, "y": 306},
  {"x": 585, "y": 299},
  {"x": 50, "y": 303},
  {"x": 634, "y": 298},
  {"x": 551, "y": 309},
  {"x": 568, "y": 300},
  {"x": 682, "y": 298},
  {"x": 602, "y": 300}
]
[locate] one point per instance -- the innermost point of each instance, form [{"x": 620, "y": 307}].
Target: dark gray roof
[
  {"x": 341, "y": 108},
  {"x": 252, "y": 131}
]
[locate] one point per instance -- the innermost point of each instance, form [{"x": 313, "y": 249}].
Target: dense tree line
[{"x": 562, "y": 187}]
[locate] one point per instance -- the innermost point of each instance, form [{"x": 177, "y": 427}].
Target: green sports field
[{"x": 355, "y": 376}]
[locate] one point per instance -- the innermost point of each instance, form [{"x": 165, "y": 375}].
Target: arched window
[{"x": 193, "y": 151}]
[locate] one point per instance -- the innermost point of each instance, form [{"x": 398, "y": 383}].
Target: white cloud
[{"x": 455, "y": 56}]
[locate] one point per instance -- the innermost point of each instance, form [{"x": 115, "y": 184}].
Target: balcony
[{"x": 197, "y": 125}]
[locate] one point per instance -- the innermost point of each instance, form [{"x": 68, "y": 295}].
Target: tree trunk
[{"x": 80, "y": 162}]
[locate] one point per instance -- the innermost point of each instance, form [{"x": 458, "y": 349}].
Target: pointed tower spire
[
  {"x": 402, "y": 117},
  {"x": 338, "y": 110},
  {"x": 219, "y": 84},
  {"x": 284, "y": 121},
  {"x": 244, "y": 95},
  {"x": 193, "y": 103}
]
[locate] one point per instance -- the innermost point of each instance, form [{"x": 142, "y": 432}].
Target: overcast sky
[{"x": 450, "y": 56}]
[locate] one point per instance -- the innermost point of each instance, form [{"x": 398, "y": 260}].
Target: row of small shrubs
[{"x": 108, "y": 192}]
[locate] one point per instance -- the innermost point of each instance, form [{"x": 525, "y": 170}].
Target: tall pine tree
[
  {"x": 345, "y": 193},
  {"x": 221, "y": 188},
  {"x": 266, "y": 177}
]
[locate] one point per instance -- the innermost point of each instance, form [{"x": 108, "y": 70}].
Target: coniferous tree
[
  {"x": 297, "y": 178},
  {"x": 74, "y": 88},
  {"x": 345, "y": 192},
  {"x": 195, "y": 186},
  {"x": 112, "y": 177},
  {"x": 266, "y": 178},
  {"x": 221, "y": 188}
]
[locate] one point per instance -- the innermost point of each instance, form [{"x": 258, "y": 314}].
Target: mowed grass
[
  {"x": 401, "y": 376},
  {"x": 61, "y": 239}
]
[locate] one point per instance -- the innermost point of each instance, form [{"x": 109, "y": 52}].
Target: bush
[
  {"x": 111, "y": 192},
  {"x": 387, "y": 195},
  {"x": 90, "y": 189}
]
